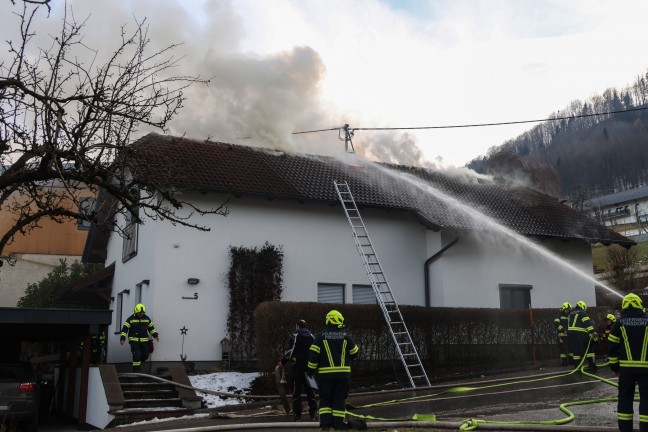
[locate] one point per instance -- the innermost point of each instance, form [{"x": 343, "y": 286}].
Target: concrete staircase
[{"x": 146, "y": 398}]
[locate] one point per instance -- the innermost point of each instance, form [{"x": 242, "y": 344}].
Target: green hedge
[{"x": 443, "y": 336}]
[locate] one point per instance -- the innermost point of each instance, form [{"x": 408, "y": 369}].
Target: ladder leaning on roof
[{"x": 402, "y": 339}]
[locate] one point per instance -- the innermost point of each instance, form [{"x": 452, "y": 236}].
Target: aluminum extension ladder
[{"x": 400, "y": 335}]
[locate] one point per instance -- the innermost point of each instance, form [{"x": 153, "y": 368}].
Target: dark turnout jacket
[
  {"x": 297, "y": 350},
  {"x": 331, "y": 353},
  {"x": 138, "y": 329},
  {"x": 628, "y": 341}
]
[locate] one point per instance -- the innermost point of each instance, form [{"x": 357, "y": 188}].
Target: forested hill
[{"x": 592, "y": 154}]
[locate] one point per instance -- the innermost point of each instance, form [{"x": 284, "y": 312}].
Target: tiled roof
[{"x": 439, "y": 199}]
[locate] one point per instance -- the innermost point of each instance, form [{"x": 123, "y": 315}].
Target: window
[
  {"x": 363, "y": 294},
  {"x": 119, "y": 312},
  {"x": 130, "y": 242},
  {"x": 330, "y": 293},
  {"x": 86, "y": 205},
  {"x": 515, "y": 296}
]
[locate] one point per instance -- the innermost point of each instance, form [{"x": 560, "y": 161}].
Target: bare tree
[
  {"x": 65, "y": 124},
  {"x": 625, "y": 263}
]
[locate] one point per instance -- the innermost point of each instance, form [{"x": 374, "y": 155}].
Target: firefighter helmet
[
  {"x": 611, "y": 317},
  {"x": 565, "y": 306},
  {"x": 334, "y": 317},
  {"x": 581, "y": 304},
  {"x": 140, "y": 308},
  {"x": 632, "y": 300}
]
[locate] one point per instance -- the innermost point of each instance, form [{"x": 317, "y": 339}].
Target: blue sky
[{"x": 281, "y": 66}]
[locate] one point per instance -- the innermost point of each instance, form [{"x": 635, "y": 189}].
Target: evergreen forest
[{"x": 590, "y": 148}]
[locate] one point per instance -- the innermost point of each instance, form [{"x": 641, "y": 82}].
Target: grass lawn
[{"x": 599, "y": 255}]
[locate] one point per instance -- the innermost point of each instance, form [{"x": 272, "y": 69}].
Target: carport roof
[{"x": 51, "y": 324}]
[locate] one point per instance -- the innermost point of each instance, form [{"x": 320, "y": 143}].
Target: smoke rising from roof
[{"x": 251, "y": 99}]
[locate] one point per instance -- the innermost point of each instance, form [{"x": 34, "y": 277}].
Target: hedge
[{"x": 443, "y": 336}]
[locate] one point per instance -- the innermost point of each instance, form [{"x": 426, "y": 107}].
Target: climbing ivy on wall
[{"x": 255, "y": 276}]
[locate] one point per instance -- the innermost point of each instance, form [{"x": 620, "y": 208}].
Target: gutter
[{"x": 426, "y": 273}]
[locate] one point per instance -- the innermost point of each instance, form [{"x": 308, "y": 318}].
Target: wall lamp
[
  {"x": 124, "y": 291},
  {"x": 193, "y": 281}
]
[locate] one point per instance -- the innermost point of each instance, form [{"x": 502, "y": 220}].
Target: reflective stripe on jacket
[
  {"x": 561, "y": 323},
  {"x": 579, "y": 321},
  {"x": 138, "y": 329},
  {"x": 629, "y": 341},
  {"x": 332, "y": 352}
]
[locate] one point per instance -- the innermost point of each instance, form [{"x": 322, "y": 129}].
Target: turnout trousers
[
  {"x": 578, "y": 342},
  {"x": 140, "y": 351},
  {"x": 333, "y": 393},
  {"x": 300, "y": 384},
  {"x": 627, "y": 382}
]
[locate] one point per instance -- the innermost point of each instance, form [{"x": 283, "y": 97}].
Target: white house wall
[
  {"x": 317, "y": 245},
  {"x": 470, "y": 273}
]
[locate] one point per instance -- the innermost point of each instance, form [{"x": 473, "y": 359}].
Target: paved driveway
[{"x": 504, "y": 399}]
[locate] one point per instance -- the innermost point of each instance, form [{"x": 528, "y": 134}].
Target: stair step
[
  {"x": 131, "y": 415},
  {"x": 149, "y": 394},
  {"x": 153, "y": 403}
]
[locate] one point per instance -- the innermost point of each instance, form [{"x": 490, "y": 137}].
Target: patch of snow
[{"x": 228, "y": 382}]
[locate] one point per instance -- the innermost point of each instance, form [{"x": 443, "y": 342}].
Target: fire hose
[{"x": 420, "y": 421}]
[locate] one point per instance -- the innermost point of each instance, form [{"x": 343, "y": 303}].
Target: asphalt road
[{"x": 532, "y": 396}]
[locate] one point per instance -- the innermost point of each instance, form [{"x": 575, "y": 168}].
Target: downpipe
[{"x": 426, "y": 272}]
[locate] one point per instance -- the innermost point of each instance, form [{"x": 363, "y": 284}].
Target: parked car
[{"x": 19, "y": 396}]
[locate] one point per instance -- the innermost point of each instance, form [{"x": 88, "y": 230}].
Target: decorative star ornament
[{"x": 184, "y": 330}]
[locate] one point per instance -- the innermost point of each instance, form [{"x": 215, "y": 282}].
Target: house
[
  {"x": 442, "y": 239},
  {"x": 37, "y": 252},
  {"x": 626, "y": 211}
]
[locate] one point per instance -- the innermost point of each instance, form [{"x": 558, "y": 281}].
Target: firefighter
[
  {"x": 560, "y": 323},
  {"x": 627, "y": 355},
  {"x": 98, "y": 344},
  {"x": 330, "y": 356},
  {"x": 137, "y": 327},
  {"x": 297, "y": 352},
  {"x": 580, "y": 331},
  {"x": 610, "y": 320}
]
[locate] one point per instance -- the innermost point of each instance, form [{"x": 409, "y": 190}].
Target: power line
[{"x": 479, "y": 124}]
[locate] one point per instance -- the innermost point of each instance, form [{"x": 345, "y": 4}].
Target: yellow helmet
[
  {"x": 334, "y": 317},
  {"x": 611, "y": 317},
  {"x": 140, "y": 308},
  {"x": 632, "y": 300},
  {"x": 566, "y": 306},
  {"x": 581, "y": 304}
]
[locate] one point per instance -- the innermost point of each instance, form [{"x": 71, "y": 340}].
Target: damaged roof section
[{"x": 444, "y": 201}]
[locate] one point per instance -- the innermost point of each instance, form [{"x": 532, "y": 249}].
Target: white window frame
[{"x": 129, "y": 249}]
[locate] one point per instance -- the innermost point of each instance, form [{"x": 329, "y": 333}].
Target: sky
[{"x": 282, "y": 66}]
